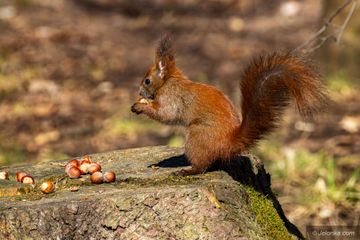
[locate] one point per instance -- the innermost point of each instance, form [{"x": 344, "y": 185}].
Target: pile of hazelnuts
[
  {"x": 22, "y": 177},
  {"x": 46, "y": 187},
  {"x": 75, "y": 168}
]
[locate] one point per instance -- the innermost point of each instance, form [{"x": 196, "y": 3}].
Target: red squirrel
[{"x": 214, "y": 129}]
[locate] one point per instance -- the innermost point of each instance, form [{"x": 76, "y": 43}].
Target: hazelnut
[
  {"x": 67, "y": 167},
  {"x": 4, "y": 175},
  {"x": 84, "y": 161},
  {"x": 84, "y": 168},
  {"x": 73, "y": 172},
  {"x": 47, "y": 186},
  {"x": 27, "y": 179},
  {"x": 19, "y": 176},
  {"x": 143, "y": 100},
  {"x": 109, "y": 177},
  {"x": 96, "y": 177},
  {"x": 86, "y": 158},
  {"x": 73, "y": 162},
  {"x": 94, "y": 167}
]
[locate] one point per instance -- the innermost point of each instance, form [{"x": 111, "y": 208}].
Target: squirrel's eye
[{"x": 147, "y": 81}]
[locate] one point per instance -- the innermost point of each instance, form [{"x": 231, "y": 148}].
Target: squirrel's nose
[
  {"x": 145, "y": 94},
  {"x": 142, "y": 92}
]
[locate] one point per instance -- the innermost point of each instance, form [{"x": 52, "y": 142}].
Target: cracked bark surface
[{"x": 146, "y": 201}]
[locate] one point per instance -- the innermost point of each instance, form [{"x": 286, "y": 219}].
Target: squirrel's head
[{"x": 161, "y": 71}]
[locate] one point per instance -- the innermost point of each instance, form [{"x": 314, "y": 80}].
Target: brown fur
[{"x": 213, "y": 128}]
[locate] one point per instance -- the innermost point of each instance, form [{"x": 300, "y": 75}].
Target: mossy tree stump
[{"x": 145, "y": 202}]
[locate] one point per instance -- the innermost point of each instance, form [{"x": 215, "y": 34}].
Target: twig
[
  {"x": 353, "y": 6},
  {"x": 339, "y": 10},
  {"x": 335, "y": 36},
  {"x": 321, "y": 42},
  {"x": 313, "y": 38}
]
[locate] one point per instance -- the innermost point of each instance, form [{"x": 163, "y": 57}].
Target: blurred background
[{"x": 70, "y": 70}]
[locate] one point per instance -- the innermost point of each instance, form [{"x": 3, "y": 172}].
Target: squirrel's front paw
[{"x": 136, "y": 108}]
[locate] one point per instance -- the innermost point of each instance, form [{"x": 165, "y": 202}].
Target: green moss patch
[{"x": 267, "y": 216}]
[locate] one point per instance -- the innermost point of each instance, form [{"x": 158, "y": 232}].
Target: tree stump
[{"x": 145, "y": 202}]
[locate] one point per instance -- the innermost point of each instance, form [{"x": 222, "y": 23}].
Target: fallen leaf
[{"x": 74, "y": 189}]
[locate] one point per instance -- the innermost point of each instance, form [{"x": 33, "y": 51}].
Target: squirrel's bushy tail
[{"x": 268, "y": 85}]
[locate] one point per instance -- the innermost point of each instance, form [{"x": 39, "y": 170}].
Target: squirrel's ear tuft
[
  {"x": 165, "y": 47},
  {"x": 164, "y": 56}
]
